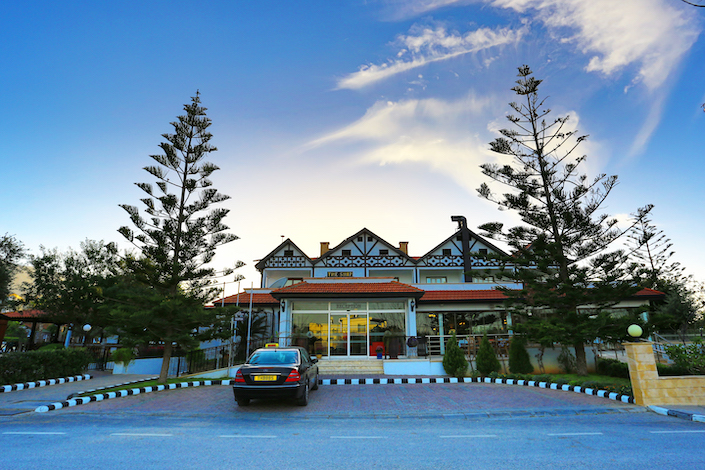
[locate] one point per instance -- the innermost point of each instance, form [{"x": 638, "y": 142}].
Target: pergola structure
[{"x": 34, "y": 317}]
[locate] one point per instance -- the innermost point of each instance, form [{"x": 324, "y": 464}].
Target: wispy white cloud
[
  {"x": 426, "y": 45},
  {"x": 449, "y": 138},
  {"x": 655, "y": 34}
]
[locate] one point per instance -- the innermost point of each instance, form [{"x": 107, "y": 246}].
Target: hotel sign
[{"x": 340, "y": 274}]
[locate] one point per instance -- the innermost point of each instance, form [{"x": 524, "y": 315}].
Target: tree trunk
[
  {"x": 166, "y": 359},
  {"x": 580, "y": 360}
]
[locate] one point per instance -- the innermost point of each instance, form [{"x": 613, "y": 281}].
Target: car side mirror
[{"x": 314, "y": 360}]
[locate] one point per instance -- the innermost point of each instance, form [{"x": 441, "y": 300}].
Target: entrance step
[{"x": 364, "y": 366}]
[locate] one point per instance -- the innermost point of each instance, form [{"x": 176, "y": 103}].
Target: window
[
  {"x": 383, "y": 252},
  {"x": 288, "y": 252},
  {"x": 346, "y": 253},
  {"x": 446, "y": 251},
  {"x": 482, "y": 251},
  {"x": 436, "y": 280},
  {"x": 293, "y": 280},
  {"x": 359, "y": 239}
]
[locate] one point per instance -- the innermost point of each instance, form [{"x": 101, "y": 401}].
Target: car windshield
[{"x": 273, "y": 357}]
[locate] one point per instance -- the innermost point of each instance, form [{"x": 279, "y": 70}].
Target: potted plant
[
  {"x": 318, "y": 345},
  {"x": 379, "y": 351}
]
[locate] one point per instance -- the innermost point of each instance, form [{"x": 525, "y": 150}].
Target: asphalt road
[{"x": 354, "y": 426}]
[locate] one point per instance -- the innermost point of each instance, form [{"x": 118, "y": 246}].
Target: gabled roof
[
  {"x": 353, "y": 239},
  {"x": 262, "y": 263},
  {"x": 243, "y": 299},
  {"x": 348, "y": 289},
  {"x": 28, "y": 315},
  {"x": 472, "y": 235}
]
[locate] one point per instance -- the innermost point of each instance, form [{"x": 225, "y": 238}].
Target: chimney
[
  {"x": 324, "y": 247},
  {"x": 404, "y": 246}
]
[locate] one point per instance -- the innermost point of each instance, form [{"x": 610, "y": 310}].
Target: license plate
[{"x": 265, "y": 378}]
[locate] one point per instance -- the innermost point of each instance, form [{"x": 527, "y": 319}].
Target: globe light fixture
[
  {"x": 634, "y": 331},
  {"x": 87, "y": 327}
]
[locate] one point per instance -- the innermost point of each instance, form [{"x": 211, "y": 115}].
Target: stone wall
[{"x": 650, "y": 389}]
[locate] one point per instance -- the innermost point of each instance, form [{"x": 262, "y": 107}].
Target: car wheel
[
  {"x": 243, "y": 401},
  {"x": 315, "y": 383},
  {"x": 303, "y": 401}
]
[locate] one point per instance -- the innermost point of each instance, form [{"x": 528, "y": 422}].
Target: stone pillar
[{"x": 642, "y": 372}]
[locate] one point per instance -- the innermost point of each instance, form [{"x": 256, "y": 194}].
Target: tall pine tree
[
  {"x": 164, "y": 298},
  {"x": 561, "y": 250}
]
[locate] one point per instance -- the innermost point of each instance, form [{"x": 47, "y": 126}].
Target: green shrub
[
  {"x": 519, "y": 361},
  {"x": 29, "y": 366},
  {"x": 612, "y": 368},
  {"x": 665, "y": 370},
  {"x": 123, "y": 356},
  {"x": 486, "y": 359},
  {"x": 689, "y": 356},
  {"x": 542, "y": 378},
  {"x": 454, "y": 361}
]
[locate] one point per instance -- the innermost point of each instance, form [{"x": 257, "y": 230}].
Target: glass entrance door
[
  {"x": 338, "y": 335},
  {"x": 348, "y": 334},
  {"x": 358, "y": 334}
]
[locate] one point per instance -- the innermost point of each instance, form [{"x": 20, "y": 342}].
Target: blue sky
[{"x": 334, "y": 116}]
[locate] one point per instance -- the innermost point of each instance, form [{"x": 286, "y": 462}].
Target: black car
[{"x": 276, "y": 372}]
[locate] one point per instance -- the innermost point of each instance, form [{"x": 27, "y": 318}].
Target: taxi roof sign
[{"x": 271, "y": 345}]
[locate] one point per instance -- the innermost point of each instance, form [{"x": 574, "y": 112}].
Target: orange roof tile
[
  {"x": 462, "y": 295},
  {"x": 244, "y": 299},
  {"x": 26, "y": 315}
]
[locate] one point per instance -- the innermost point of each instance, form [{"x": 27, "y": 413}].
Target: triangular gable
[
  {"x": 368, "y": 245},
  {"x": 276, "y": 256},
  {"x": 452, "y": 243}
]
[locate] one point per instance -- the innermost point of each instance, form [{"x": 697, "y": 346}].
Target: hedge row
[
  {"x": 29, "y": 366},
  {"x": 614, "y": 368}
]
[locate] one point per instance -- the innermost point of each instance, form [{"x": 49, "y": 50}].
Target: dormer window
[{"x": 288, "y": 252}]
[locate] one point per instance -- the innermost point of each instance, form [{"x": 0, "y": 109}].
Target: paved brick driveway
[{"x": 473, "y": 400}]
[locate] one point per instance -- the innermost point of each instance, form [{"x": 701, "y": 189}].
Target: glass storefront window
[
  {"x": 427, "y": 324},
  {"x": 387, "y": 305},
  {"x": 309, "y": 305},
  {"x": 348, "y": 306},
  {"x": 310, "y": 331}
]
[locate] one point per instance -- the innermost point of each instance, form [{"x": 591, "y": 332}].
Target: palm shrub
[
  {"x": 519, "y": 361},
  {"x": 486, "y": 359},
  {"x": 454, "y": 361}
]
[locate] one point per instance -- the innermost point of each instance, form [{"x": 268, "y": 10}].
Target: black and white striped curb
[
  {"x": 125, "y": 393},
  {"x": 528, "y": 383},
  {"x": 381, "y": 381},
  {"x": 43, "y": 383},
  {"x": 93, "y": 390},
  {"x": 678, "y": 414}
]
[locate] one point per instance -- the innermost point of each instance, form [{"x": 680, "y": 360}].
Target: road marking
[
  {"x": 467, "y": 436},
  {"x": 243, "y": 436},
  {"x": 35, "y": 433},
  {"x": 358, "y": 437},
  {"x": 674, "y": 432},
  {"x": 144, "y": 434},
  {"x": 576, "y": 434}
]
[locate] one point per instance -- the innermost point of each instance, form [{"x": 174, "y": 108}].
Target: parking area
[{"x": 473, "y": 400}]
